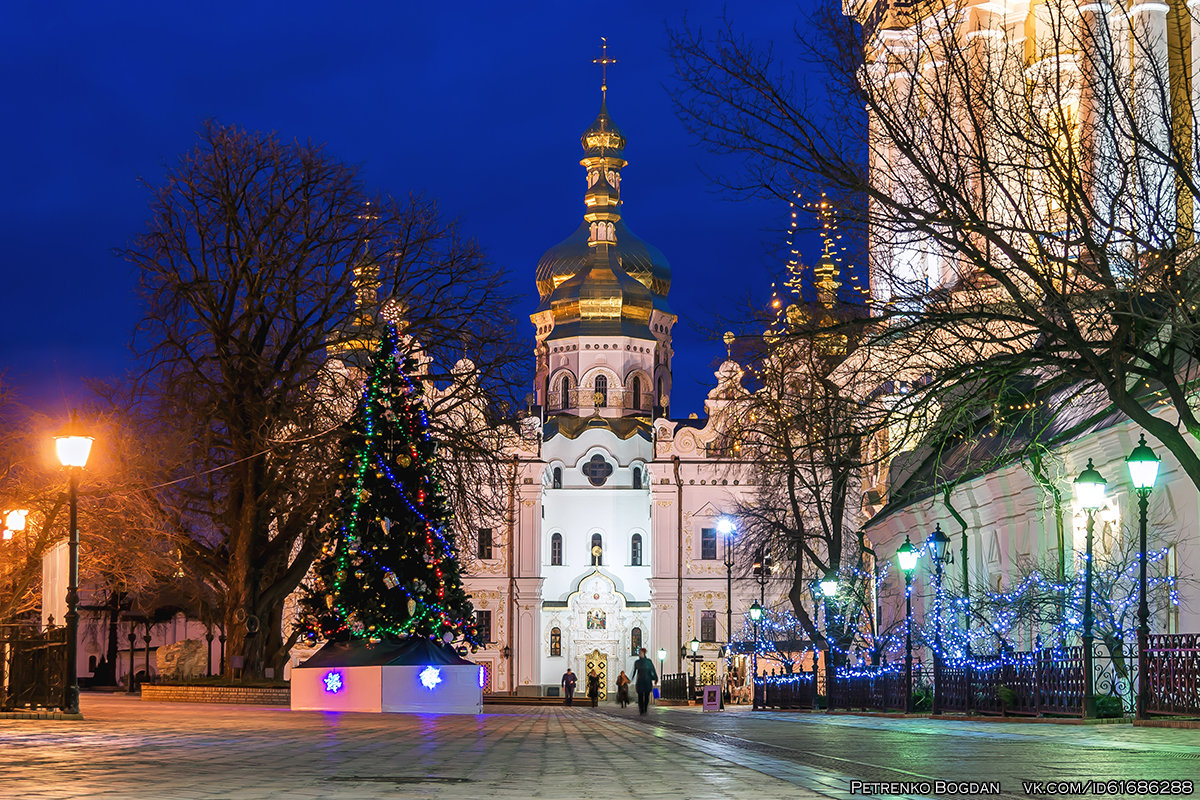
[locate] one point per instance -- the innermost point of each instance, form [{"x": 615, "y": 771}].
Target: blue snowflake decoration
[
  {"x": 431, "y": 677},
  {"x": 333, "y": 682}
]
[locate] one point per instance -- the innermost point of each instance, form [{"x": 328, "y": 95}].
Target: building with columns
[{"x": 611, "y": 541}]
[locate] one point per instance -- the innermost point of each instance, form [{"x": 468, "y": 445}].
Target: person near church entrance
[
  {"x": 623, "y": 689},
  {"x": 593, "y": 687},
  {"x": 568, "y": 684},
  {"x": 644, "y": 676}
]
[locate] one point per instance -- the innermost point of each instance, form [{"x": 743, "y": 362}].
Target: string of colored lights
[{"x": 393, "y": 426}]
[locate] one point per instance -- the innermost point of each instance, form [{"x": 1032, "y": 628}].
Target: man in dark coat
[
  {"x": 568, "y": 684},
  {"x": 644, "y": 676}
]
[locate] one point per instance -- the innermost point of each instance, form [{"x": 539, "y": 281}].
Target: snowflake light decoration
[
  {"x": 333, "y": 682},
  {"x": 431, "y": 677}
]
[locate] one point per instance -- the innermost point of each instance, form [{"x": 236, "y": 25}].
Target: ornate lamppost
[
  {"x": 662, "y": 657},
  {"x": 695, "y": 658},
  {"x": 937, "y": 544},
  {"x": 1089, "y": 495},
  {"x": 73, "y": 446},
  {"x": 907, "y": 556},
  {"x": 1143, "y": 471},
  {"x": 726, "y": 528},
  {"x": 829, "y": 589}
]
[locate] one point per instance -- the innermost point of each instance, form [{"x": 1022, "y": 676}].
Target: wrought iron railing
[
  {"x": 784, "y": 691},
  {"x": 676, "y": 687},
  {"x": 1173, "y": 674},
  {"x": 880, "y": 689},
  {"x": 33, "y": 667}
]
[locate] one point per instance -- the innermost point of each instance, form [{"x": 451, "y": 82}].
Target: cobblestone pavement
[
  {"x": 125, "y": 748},
  {"x": 834, "y": 748}
]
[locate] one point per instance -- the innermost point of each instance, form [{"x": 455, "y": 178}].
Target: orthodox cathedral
[{"x": 611, "y": 542}]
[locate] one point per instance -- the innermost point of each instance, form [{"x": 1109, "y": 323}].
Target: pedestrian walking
[
  {"x": 568, "y": 684},
  {"x": 623, "y": 689},
  {"x": 644, "y": 676},
  {"x": 593, "y": 687}
]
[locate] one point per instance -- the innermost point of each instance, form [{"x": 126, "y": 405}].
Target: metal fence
[
  {"x": 1048, "y": 681},
  {"x": 1173, "y": 674},
  {"x": 33, "y": 667},
  {"x": 784, "y": 691},
  {"x": 676, "y": 687},
  {"x": 880, "y": 689}
]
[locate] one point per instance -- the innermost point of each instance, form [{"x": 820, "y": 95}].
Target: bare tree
[
  {"x": 263, "y": 268},
  {"x": 1030, "y": 199}
]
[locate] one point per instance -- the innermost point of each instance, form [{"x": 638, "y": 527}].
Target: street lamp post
[
  {"x": 1143, "y": 471},
  {"x": 829, "y": 590},
  {"x": 73, "y": 446},
  {"x": 755, "y": 615},
  {"x": 662, "y": 657},
  {"x": 938, "y": 543},
  {"x": 1089, "y": 494},
  {"x": 695, "y": 658},
  {"x": 726, "y": 527},
  {"x": 906, "y": 554}
]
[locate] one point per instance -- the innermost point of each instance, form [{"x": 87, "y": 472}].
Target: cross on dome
[{"x": 604, "y": 61}]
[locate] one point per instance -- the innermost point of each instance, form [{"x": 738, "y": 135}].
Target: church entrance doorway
[{"x": 596, "y": 661}]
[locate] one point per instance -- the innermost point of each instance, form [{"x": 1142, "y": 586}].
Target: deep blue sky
[{"x": 477, "y": 104}]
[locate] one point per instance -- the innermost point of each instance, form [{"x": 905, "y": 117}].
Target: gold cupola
[{"x": 603, "y": 278}]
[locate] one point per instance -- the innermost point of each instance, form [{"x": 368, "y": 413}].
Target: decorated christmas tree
[{"x": 389, "y": 568}]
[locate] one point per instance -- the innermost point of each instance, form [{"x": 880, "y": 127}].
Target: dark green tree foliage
[{"x": 389, "y": 567}]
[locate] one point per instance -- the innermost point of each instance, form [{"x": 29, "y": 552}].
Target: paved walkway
[{"x": 125, "y": 748}]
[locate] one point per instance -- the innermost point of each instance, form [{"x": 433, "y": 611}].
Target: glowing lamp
[
  {"x": 937, "y": 542},
  {"x": 907, "y": 556},
  {"x": 1143, "y": 466},
  {"x": 662, "y": 654},
  {"x": 829, "y": 584},
  {"x": 482, "y": 677},
  {"x": 695, "y": 645},
  {"x": 15, "y": 520},
  {"x": 73, "y": 444},
  {"x": 756, "y": 611},
  {"x": 1089, "y": 488},
  {"x": 725, "y": 526}
]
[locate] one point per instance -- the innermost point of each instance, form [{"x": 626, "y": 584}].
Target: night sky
[{"x": 479, "y": 105}]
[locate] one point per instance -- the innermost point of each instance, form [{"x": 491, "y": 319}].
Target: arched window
[
  {"x": 635, "y": 641},
  {"x": 564, "y": 392},
  {"x": 637, "y": 478},
  {"x": 555, "y": 642},
  {"x": 557, "y": 480},
  {"x": 597, "y": 550},
  {"x": 637, "y": 392},
  {"x": 601, "y": 390},
  {"x": 556, "y": 550},
  {"x": 635, "y": 550}
]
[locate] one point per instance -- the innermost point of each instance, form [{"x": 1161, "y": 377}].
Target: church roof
[
  {"x": 637, "y": 258},
  {"x": 573, "y": 427}
]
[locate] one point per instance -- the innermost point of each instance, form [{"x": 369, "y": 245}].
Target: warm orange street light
[{"x": 73, "y": 446}]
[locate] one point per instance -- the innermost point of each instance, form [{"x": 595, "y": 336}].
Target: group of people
[{"x": 644, "y": 678}]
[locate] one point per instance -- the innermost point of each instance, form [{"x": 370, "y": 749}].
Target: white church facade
[{"x": 611, "y": 540}]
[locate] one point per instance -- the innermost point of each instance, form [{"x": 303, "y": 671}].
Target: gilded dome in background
[{"x": 640, "y": 260}]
